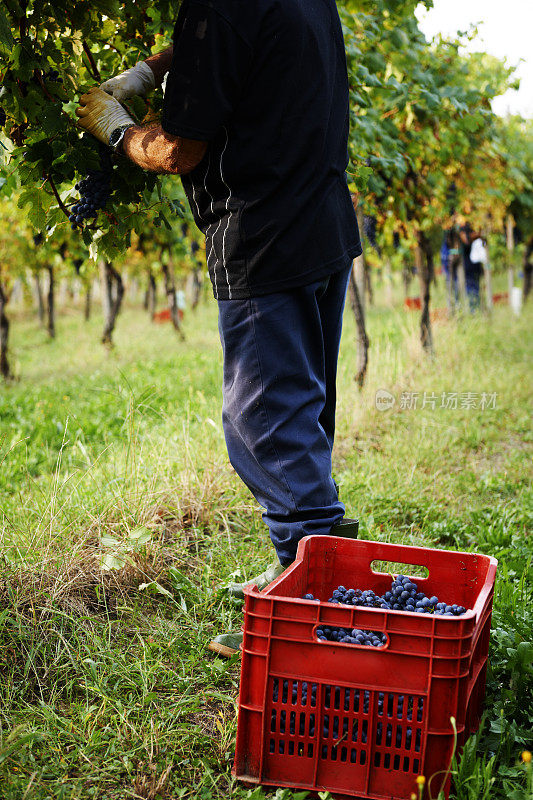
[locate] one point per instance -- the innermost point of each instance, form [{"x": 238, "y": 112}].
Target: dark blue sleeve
[{"x": 209, "y": 66}]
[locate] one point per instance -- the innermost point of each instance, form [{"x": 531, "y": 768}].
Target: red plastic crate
[{"x": 309, "y": 710}]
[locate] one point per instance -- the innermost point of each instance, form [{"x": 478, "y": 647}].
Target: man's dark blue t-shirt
[{"x": 265, "y": 83}]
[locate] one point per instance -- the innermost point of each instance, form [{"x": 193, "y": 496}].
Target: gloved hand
[
  {"x": 137, "y": 81},
  {"x": 99, "y": 113}
]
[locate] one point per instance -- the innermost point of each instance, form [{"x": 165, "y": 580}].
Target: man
[
  {"x": 255, "y": 120},
  {"x": 473, "y": 269},
  {"x": 448, "y": 257}
]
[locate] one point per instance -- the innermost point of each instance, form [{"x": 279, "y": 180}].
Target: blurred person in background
[
  {"x": 473, "y": 269},
  {"x": 448, "y": 262}
]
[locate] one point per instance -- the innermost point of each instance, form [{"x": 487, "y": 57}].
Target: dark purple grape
[{"x": 95, "y": 189}]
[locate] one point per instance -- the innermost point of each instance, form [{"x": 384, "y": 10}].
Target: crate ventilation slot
[{"x": 354, "y": 724}]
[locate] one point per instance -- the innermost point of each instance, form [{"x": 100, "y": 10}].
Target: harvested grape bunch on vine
[{"x": 94, "y": 190}]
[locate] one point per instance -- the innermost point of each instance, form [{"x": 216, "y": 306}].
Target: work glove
[
  {"x": 99, "y": 113},
  {"x": 137, "y": 81}
]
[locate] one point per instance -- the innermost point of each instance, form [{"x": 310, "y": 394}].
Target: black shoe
[{"x": 347, "y": 528}]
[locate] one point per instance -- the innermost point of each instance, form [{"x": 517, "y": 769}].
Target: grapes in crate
[
  {"x": 402, "y": 596},
  {"x": 351, "y": 636}
]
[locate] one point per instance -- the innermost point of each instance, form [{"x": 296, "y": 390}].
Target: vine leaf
[
  {"x": 33, "y": 198},
  {"x": 6, "y": 37}
]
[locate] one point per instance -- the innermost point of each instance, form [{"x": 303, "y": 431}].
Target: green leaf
[
  {"x": 33, "y": 199},
  {"x": 140, "y": 535},
  {"x": 18, "y": 745},
  {"x": 110, "y": 541},
  {"x": 6, "y": 37},
  {"x": 110, "y": 562},
  {"x": 470, "y": 124},
  {"x": 155, "y": 588},
  {"x": 179, "y": 580},
  {"x": 109, "y": 7}
]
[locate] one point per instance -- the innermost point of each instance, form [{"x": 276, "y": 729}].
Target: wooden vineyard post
[
  {"x": 50, "y": 310},
  {"x": 113, "y": 292},
  {"x": 151, "y": 295},
  {"x": 39, "y": 296},
  {"x": 4, "y": 336},
  {"x": 363, "y": 343},
  {"x": 170, "y": 290},
  {"x": 510, "y": 254},
  {"x": 359, "y": 266},
  {"x": 357, "y": 286},
  {"x": 488, "y": 286},
  {"x": 105, "y": 293},
  {"x": 487, "y": 273},
  {"x": 424, "y": 264},
  {"x": 87, "y": 306},
  {"x": 389, "y": 280},
  {"x": 528, "y": 269}
]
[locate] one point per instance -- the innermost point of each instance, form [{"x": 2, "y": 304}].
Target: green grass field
[{"x": 117, "y": 459}]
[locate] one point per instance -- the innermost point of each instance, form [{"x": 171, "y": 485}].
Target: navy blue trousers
[{"x": 280, "y": 368}]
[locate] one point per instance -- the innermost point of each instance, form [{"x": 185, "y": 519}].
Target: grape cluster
[
  {"x": 370, "y": 228},
  {"x": 94, "y": 190},
  {"x": 356, "y": 597},
  {"x": 53, "y": 76},
  {"x": 355, "y": 636},
  {"x": 403, "y": 596}
]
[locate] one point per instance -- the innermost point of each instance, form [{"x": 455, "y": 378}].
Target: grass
[{"x": 117, "y": 458}]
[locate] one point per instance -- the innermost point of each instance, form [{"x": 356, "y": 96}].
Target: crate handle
[
  {"x": 366, "y": 647},
  {"x": 396, "y": 571}
]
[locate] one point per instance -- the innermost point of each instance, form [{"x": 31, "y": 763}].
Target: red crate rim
[{"x": 386, "y": 551}]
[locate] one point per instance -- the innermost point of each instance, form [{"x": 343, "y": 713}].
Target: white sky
[{"x": 505, "y": 30}]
